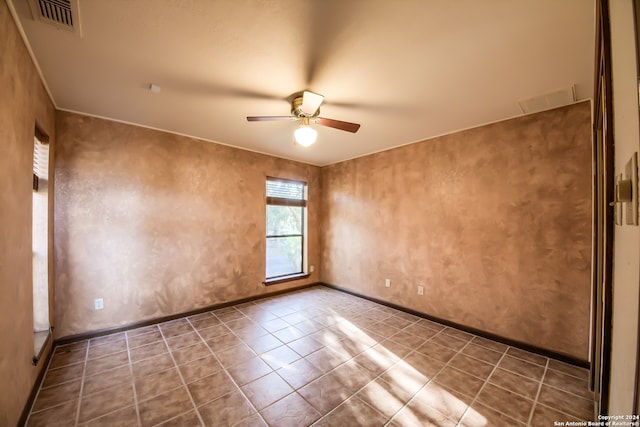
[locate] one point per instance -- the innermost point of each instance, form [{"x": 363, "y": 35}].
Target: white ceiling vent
[
  {"x": 556, "y": 99},
  {"x": 62, "y": 14}
]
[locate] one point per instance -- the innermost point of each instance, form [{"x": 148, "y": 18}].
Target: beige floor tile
[
  {"x": 205, "y": 322},
  {"x": 419, "y": 417},
  {"x": 566, "y": 402},
  {"x": 266, "y": 390},
  {"x": 310, "y": 356},
  {"x": 105, "y": 379},
  {"x": 170, "y": 330},
  {"x": 305, "y": 345},
  {"x": 164, "y": 407},
  {"x": 565, "y": 368},
  {"x": 437, "y": 351},
  {"x": 211, "y": 387},
  {"x": 480, "y": 415},
  {"x": 125, "y": 417},
  {"x": 184, "y": 340},
  {"x": 234, "y": 355},
  {"x": 491, "y": 345},
  {"x": 448, "y": 341},
  {"x": 280, "y": 356},
  {"x": 67, "y": 357},
  {"x": 106, "y": 401},
  {"x": 386, "y": 397},
  {"x": 152, "y": 365},
  {"x": 153, "y": 385},
  {"x": 472, "y": 366},
  {"x": 482, "y": 353},
  {"x": 96, "y": 351},
  {"x": 353, "y": 412},
  {"x": 506, "y": 402},
  {"x": 147, "y": 351},
  {"x": 459, "y": 381},
  {"x": 523, "y": 386},
  {"x": 324, "y": 393},
  {"x": 60, "y": 375},
  {"x": 249, "y": 370},
  {"x": 544, "y": 415},
  {"x": 144, "y": 339},
  {"x": 522, "y": 367},
  {"x": 439, "y": 398},
  {"x": 528, "y": 356},
  {"x": 292, "y": 411},
  {"x": 57, "y": 395},
  {"x": 299, "y": 373},
  {"x": 191, "y": 353},
  {"x": 263, "y": 343},
  {"x": 107, "y": 339},
  {"x": 190, "y": 419},
  {"x": 60, "y": 415},
  {"x": 569, "y": 383},
  {"x": 200, "y": 368}
]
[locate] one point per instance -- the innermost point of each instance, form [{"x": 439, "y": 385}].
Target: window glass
[{"x": 286, "y": 216}]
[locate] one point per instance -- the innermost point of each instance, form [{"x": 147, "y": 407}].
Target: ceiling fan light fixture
[{"x": 305, "y": 135}]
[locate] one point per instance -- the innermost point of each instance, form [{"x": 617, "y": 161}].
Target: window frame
[{"x": 283, "y": 201}]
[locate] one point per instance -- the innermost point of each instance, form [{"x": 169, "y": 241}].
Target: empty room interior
[{"x": 337, "y": 213}]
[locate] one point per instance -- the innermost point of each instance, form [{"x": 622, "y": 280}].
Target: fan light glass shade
[{"x": 305, "y": 135}]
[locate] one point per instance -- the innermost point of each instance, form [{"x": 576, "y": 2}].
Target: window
[
  {"x": 286, "y": 227},
  {"x": 40, "y": 243}
]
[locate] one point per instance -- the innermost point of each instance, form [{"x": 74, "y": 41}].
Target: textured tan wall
[
  {"x": 158, "y": 224},
  {"x": 495, "y": 222},
  {"x": 23, "y": 101}
]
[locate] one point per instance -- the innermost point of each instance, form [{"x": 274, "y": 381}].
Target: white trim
[{"x": 25, "y": 40}]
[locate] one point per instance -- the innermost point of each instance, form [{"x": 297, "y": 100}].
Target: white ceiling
[{"x": 406, "y": 70}]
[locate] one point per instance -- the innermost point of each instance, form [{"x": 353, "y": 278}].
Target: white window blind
[
  {"x": 40, "y": 159},
  {"x": 286, "y": 192}
]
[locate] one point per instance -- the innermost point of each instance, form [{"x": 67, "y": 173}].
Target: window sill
[
  {"x": 283, "y": 279},
  {"x": 40, "y": 342}
]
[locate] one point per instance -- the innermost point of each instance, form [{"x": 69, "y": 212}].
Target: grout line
[
  {"x": 568, "y": 392},
  {"x": 175, "y": 417},
  {"x": 184, "y": 383},
  {"x": 458, "y": 352},
  {"x": 84, "y": 374},
  {"x": 486, "y": 381},
  {"x": 133, "y": 382},
  {"x": 535, "y": 401},
  {"x": 342, "y": 308},
  {"x": 224, "y": 369},
  {"x": 411, "y": 351},
  {"x": 35, "y": 399}
]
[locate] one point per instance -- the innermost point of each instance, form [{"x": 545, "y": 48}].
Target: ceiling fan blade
[
  {"x": 310, "y": 102},
  {"x": 268, "y": 118},
  {"x": 349, "y": 127}
]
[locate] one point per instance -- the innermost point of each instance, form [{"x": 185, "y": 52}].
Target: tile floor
[{"x": 313, "y": 357}]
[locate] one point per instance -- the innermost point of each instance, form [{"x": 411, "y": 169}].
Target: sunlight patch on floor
[{"x": 431, "y": 403}]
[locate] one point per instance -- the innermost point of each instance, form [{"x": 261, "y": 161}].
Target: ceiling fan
[{"x": 306, "y": 109}]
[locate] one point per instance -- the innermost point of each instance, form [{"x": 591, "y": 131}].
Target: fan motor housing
[{"x": 296, "y": 105}]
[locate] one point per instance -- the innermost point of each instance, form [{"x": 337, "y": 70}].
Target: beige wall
[
  {"x": 494, "y": 222},
  {"x": 158, "y": 224},
  {"x": 23, "y": 101},
  {"x": 626, "y": 263}
]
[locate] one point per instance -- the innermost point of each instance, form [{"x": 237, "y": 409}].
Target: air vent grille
[
  {"x": 556, "y": 99},
  {"x": 58, "y": 11},
  {"x": 62, "y": 14}
]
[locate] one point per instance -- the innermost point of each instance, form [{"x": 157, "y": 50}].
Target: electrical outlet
[
  {"x": 312, "y": 268},
  {"x": 387, "y": 283},
  {"x": 98, "y": 303},
  {"x": 420, "y": 290}
]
